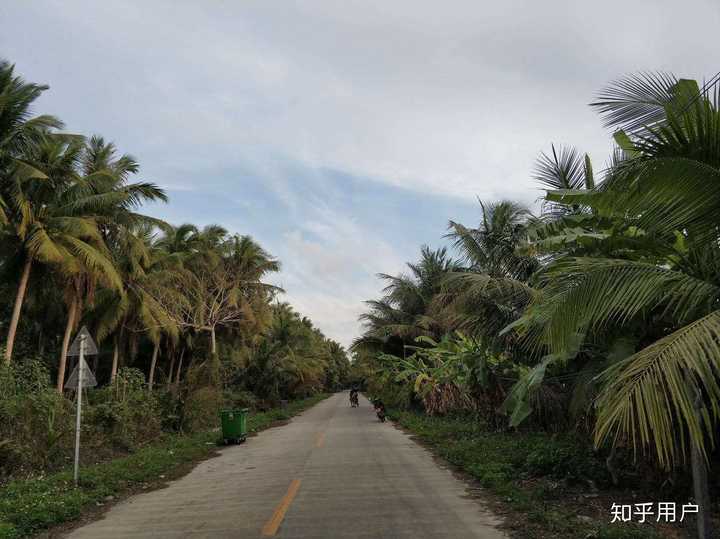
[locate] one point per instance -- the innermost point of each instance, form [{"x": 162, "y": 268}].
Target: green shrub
[
  {"x": 527, "y": 470},
  {"x": 36, "y": 423},
  {"x": 170, "y": 405},
  {"x": 201, "y": 408},
  {"x": 239, "y": 399},
  {"x": 8, "y": 531},
  {"x": 566, "y": 458},
  {"x": 124, "y": 415},
  {"x": 626, "y": 532},
  {"x": 28, "y": 506}
]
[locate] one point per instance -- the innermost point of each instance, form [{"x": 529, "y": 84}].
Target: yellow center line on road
[
  {"x": 320, "y": 440},
  {"x": 272, "y": 525}
]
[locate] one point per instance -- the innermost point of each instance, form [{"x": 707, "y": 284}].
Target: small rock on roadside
[
  {"x": 109, "y": 498},
  {"x": 585, "y": 519}
]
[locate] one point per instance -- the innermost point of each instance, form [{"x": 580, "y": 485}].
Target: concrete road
[{"x": 333, "y": 472}]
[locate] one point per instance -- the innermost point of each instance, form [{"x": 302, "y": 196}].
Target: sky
[{"x": 344, "y": 134}]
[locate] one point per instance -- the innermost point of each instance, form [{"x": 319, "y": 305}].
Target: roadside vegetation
[
  {"x": 185, "y": 320},
  {"x": 27, "y": 507},
  {"x": 587, "y": 329},
  {"x": 541, "y": 485}
]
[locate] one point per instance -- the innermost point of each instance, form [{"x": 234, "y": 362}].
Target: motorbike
[
  {"x": 380, "y": 411},
  {"x": 354, "y": 402}
]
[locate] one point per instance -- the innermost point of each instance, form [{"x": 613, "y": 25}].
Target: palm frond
[
  {"x": 651, "y": 398},
  {"x": 636, "y": 101},
  {"x": 593, "y": 293},
  {"x": 94, "y": 261},
  {"x": 563, "y": 169}
]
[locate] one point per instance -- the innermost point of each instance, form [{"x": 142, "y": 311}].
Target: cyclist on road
[{"x": 354, "y": 397}]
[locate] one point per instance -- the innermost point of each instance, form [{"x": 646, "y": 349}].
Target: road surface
[{"x": 333, "y": 472}]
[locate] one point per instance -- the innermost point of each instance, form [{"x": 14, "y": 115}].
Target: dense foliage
[
  {"x": 31, "y": 505},
  {"x": 184, "y": 318},
  {"x": 599, "y": 314}
]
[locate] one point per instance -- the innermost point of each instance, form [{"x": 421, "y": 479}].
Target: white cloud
[
  {"x": 330, "y": 268},
  {"x": 454, "y": 98}
]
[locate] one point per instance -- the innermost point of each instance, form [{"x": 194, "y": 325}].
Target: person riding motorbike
[{"x": 380, "y": 410}]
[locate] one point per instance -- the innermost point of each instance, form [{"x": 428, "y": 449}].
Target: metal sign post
[
  {"x": 81, "y": 376},
  {"x": 76, "y": 471}
]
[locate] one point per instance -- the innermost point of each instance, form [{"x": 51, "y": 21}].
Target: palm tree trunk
[
  {"x": 41, "y": 341},
  {"x": 116, "y": 351},
  {"x": 214, "y": 360},
  {"x": 179, "y": 368},
  {"x": 151, "y": 377},
  {"x": 170, "y": 373},
  {"x": 72, "y": 313},
  {"x": 213, "y": 343},
  {"x": 116, "y": 357},
  {"x": 19, "y": 298},
  {"x": 701, "y": 489}
]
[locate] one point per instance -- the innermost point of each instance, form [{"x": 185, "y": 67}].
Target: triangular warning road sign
[
  {"x": 90, "y": 347},
  {"x": 88, "y": 377}
]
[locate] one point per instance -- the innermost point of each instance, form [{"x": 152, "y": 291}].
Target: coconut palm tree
[
  {"x": 248, "y": 260},
  {"x": 104, "y": 195},
  {"x": 19, "y": 132},
  {"x": 492, "y": 247},
  {"x": 142, "y": 266},
  {"x": 19, "y": 135},
  {"x": 665, "y": 188},
  {"x": 290, "y": 358},
  {"x": 111, "y": 197},
  {"x": 221, "y": 282},
  {"x": 491, "y": 289},
  {"x": 179, "y": 243},
  {"x": 47, "y": 228},
  {"x": 404, "y": 313},
  {"x": 129, "y": 235}
]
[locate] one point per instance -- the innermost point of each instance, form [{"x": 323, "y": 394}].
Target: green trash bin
[{"x": 234, "y": 425}]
